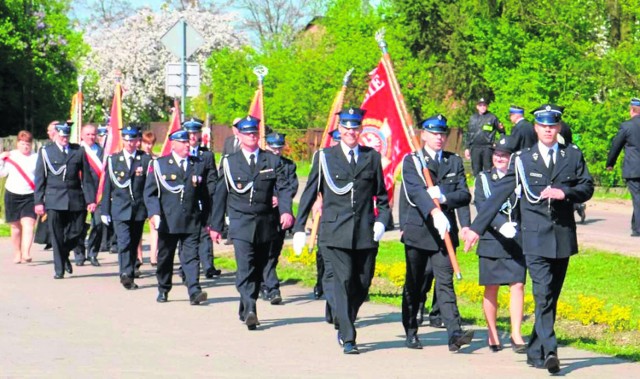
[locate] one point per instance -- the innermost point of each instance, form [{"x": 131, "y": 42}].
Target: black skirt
[
  {"x": 502, "y": 271},
  {"x": 18, "y": 206}
]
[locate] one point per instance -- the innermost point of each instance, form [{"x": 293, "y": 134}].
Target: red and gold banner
[
  {"x": 382, "y": 127},
  {"x": 113, "y": 142}
]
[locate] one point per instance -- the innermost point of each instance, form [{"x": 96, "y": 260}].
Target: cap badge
[{"x": 548, "y": 108}]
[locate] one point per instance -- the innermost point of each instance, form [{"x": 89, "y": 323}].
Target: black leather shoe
[
  {"x": 126, "y": 281},
  {"x": 198, "y": 297},
  {"x": 163, "y": 297},
  {"x": 58, "y": 276},
  {"x": 460, "y": 338},
  {"x": 137, "y": 273},
  {"x": 67, "y": 267},
  {"x": 413, "y": 342},
  {"x": 635, "y": 234},
  {"x": 47, "y": 246},
  {"x": 131, "y": 286},
  {"x": 94, "y": 261},
  {"x": 263, "y": 294},
  {"x": 552, "y": 363},
  {"x": 80, "y": 263},
  {"x": 518, "y": 348},
  {"x": 251, "y": 320},
  {"x": 350, "y": 348},
  {"x": 212, "y": 272},
  {"x": 533, "y": 362},
  {"x": 275, "y": 298},
  {"x": 317, "y": 292}
]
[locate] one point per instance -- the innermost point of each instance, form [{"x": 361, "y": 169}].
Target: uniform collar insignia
[
  {"x": 494, "y": 176},
  {"x": 170, "y": 161},
  {"x": 562, "y": 153},
  {"x": 535, "y": 156}
]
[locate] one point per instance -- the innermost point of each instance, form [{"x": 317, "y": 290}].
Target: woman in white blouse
[{"x": 19, "y": 166}]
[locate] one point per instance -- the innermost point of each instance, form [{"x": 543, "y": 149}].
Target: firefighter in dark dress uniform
[
  {"x": 249, "y": 181},
  {"x": 348, "y": 176},
  {"x": 552, "y": 177},
  {"x": 123, "y": 202}
]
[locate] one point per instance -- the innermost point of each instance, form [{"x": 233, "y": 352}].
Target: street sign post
[
  {"x": 182, "y": 40},
  {"x": 173, "y": 79}
]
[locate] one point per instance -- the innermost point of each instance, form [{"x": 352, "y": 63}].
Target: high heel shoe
[
  {"x": 27, "y": 260},
  {"x": 495, "y": 348},
  {"x": 518, "y": 348}
]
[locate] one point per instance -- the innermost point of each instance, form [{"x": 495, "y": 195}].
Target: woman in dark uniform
[{"x": 500, "y": 252}]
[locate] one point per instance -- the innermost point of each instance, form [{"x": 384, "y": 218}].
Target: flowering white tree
[{"x": 133, "y": 47}]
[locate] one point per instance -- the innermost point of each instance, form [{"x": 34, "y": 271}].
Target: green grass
[
  {"x": 609, "y": 277},
  {"x": 5, "y": 230}
]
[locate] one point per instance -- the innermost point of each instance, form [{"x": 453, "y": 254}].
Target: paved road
[{"x": 88, "y": 326}]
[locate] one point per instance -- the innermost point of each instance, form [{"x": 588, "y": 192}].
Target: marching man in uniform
[
  {"x": 424, "y": 227},
  {"x": 66, "y": 191},
  {"x": 270, "y": 288},
  {"x": 175, "y": 194},
  {"x": 247, "y": 192},
  {"x": 123, "y": 202},
  {"x": 551, "y": 178},
  {"x": 348, "y": 176}
]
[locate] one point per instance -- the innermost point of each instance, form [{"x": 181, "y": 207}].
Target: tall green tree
[{"x": 39, "y": 48}]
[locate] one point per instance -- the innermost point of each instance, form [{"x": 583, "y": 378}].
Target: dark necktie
[
  {"x": 551, "y": 164},
  {"x": 252, "y": 163},
  {"x": 130, "y": 161},
  {"x": 352, "y": 161},
  {"x": 183, "y": 165},
  {"x": 64, "y": 151}
]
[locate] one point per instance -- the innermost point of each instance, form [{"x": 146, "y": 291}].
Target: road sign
[
  {"x": 174, "y": 38},
  {"x": 173, "y": 79}
]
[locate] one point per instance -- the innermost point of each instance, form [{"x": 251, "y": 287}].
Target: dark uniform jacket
[
  {"x": 416, "y": 222},
  {"x": 292, "y": 180},
  {"x": 180, "y": 212},
  {"x": 211, "y": 173},
  {"x": 492, "y": 243},
  {"x": 482, "y": 129},
  {"x": 251, "y": 215},
  {"x": 347, "y": 220},
  {"x": 628, "y": 137},
  {"x": 71, "y": 190},
  {"x": 523, "y": 135},
  {"x": 548, "y": 229},
  {"x": 125, "y": 204}
]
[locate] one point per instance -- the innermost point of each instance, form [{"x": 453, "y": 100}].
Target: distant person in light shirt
[{"x": 19, "y": 166}]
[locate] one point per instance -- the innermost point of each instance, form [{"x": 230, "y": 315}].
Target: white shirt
[
  {"x": 179, "y": 159},
  {"x": 435, "y": 155},
  {"x": 64, "y": 149},
  {"x": 15, "y": 182},
  {"x": 544, "y": 152},
  {"x": 346, "y": 149},
  {"x": 247, "y": 155},
  {"x": 126, "y": 155}
]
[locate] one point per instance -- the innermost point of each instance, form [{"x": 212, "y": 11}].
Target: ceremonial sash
[
  {"x": 94, "y": 161},
  {"x": 24, "y": 175}
]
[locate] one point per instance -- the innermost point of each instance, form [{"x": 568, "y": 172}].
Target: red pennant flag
[
  {"x": 174, "y": 126},
  {"x": 113, "y": 141},
  {"x": 256, "y": 109},
  {"x": 382, "y": 126}
]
